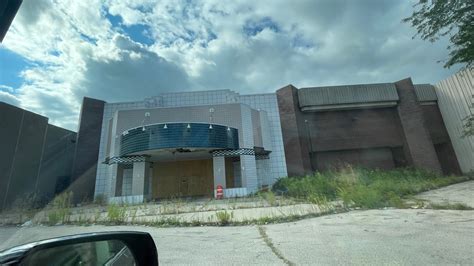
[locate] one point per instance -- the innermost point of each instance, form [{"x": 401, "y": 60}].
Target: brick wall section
[
  {"x": 87, "y": 149},
  {"x": 418, "y": 144},
  {"x": 354, "y": 129},
  {"x": 440, "y": 137},
  {"x": 292, "y": 125}
]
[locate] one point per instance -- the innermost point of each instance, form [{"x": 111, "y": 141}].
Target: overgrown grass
[
  {"x": 269, "y": 197},
  {"x": 60, "y": 209},
  {"x": 450, "y": 206},
  {"x": 224, "y": 217},
  {"x": 358, "y": 187},
  {"x": 116, "y": 214}
]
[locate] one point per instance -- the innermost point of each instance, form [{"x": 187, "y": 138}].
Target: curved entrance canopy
[{"x": 178, "y": 136}]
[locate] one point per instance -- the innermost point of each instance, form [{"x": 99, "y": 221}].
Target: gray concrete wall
[
  {"x": 10, "y": 124},
  {"x": 455, "y": 101},
  {"x": 56, "y": 163},
  {"x": 30, "y": 166},
  {"x": 26, "y": 155}
]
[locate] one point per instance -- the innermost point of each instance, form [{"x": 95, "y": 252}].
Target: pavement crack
[{"x": 263, "y": 233}]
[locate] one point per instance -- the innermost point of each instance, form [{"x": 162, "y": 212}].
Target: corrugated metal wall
[
  {"x": 362, "y": 93},
  {"x": 455, "y": 99},
  {"x": 425, "y": 93}
]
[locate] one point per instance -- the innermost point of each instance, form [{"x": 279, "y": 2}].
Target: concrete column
[
  {"x": 218, "y": 163},
  {"x": 263, "y": 172},
  {"x": 249, "y": 173},
  {"x": 112, "y": 180},
  {"x": 119, "y": 182},
  {"x": 140, "y": 178}
]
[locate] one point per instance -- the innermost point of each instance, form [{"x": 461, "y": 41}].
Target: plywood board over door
[{"x": 182, "y": 179}]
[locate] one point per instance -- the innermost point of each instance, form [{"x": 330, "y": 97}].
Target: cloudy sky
[{"x": 58, "y": 51}]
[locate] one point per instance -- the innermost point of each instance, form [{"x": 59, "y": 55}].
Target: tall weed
[{"x": 366, "y": 188}]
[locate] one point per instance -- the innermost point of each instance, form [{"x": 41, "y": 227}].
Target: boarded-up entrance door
[{"x": 184, "y": 186}]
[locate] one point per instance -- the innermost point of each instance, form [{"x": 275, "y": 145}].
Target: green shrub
[
  {"x": 116, "y": 213},
  {"x": 224, "y": 217}
]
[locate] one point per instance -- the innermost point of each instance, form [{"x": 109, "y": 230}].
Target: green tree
[
  {"x": 436, "y": 18},
  {"x": 433, "y": 19}
]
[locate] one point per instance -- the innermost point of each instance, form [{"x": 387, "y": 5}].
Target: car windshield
[{"x": 241, "y": 132}]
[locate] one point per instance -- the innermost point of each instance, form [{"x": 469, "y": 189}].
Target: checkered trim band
[
  {"x": 233, "y": 153},
  {"x": 126, "y": 159}
]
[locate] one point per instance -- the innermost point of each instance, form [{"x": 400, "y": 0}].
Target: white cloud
[
  {"x": 248, "y": 46},
  {"x": 7, "y": 95}
]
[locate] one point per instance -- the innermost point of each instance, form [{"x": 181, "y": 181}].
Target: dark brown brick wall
[
  {"x": 294, "y": 141},
  {"x": 409, "y": 134},
  {"x": 434, "y": 123},
  {"x": 418, "y": 143},
  {"x": 440, "y": 137},
  {"x": 372, "y": 158},
  {"x": 87, "y": 149},
  {"x": 354, "y": 129}
]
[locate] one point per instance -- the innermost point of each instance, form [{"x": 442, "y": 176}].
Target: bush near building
[{"x": 365, "y": 188}]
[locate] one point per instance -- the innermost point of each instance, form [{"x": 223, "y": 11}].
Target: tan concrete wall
[{"x": 455, "y": 100}]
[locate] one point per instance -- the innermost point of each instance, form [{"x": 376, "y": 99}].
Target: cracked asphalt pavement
[{"x": 391, "y": 236}]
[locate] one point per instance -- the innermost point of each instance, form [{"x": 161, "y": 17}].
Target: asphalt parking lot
[
  {"x": 391, "y": 236},
  {"x": 387, "y": 236}
]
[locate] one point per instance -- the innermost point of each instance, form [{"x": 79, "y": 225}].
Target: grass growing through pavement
[
  {"x": 450, "y": 206},
  {"x": 224, "y": 217},
  {"x": 60, "y": 209},
  {"x": 116, "y": 214},
  {"x": 365, "y": 188}
]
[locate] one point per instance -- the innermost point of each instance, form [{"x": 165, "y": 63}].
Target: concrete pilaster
[
  {"x": 218, "y": 163},
  {"x": 418, "y": 147},
  {"x": 119, "y": 182},
  {"x": 249, "y": 173},
  {"x": 263, "y": 172},
  {"x": 140, "y": 178}
]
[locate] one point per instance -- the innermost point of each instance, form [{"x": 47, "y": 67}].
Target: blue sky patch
[
  {"x": 252, "y": 28},
  {"x": 138, "y": 32},
  {"x": 114, "y": 20},
  {"x": 11, "y": 65}
]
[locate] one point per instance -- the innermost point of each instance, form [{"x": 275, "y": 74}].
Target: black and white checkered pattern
[
  {"x": 126, "y": 159},
  {"x": 233, "y": 153}
]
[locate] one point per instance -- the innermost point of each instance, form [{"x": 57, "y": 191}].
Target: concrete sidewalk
[{"x": 457, "y": 193}]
